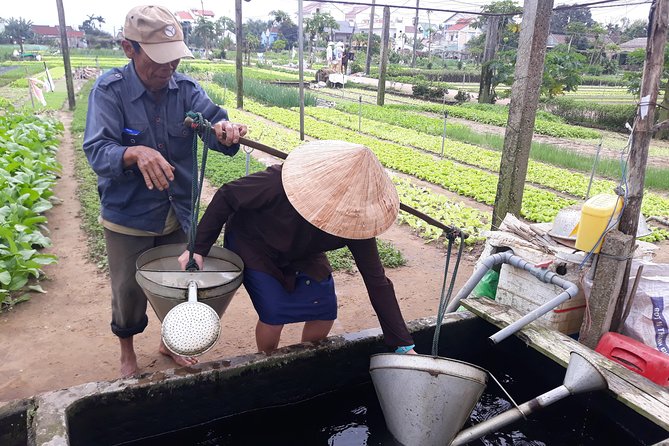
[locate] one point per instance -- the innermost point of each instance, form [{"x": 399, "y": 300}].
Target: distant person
[
  {"x": 344, "y": 62},
  {"x": 136, "y": 143},
  {"x": 338, "y": 53},
  {"x": 281, "y": 221},
  {"x": 329, "y": 55}
]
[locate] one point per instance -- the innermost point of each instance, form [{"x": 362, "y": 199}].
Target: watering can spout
[
  {"x": 581, "y": 377},
  {"x": 445, "y": 392}
]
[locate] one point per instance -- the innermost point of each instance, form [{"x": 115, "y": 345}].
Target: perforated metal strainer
[{"x": 191, "y": 328}]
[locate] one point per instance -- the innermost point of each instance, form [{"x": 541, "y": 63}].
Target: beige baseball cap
[{"x": 157, "y": 31}]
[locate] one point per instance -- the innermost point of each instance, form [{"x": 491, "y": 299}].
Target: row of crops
[
  {"x": 406, "y": 136},
  {"x": 28, "y": 170}
]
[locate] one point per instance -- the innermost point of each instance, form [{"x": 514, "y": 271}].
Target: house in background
[
  {"x": 625, "y": 48},
  {"x": 459, "y": 34},
  {"x": 269, "y": 36},
  {"x": 634, "y": 44},
  {"x": 51, "y": 35},
  {"x": 554, "y": 40},
  {"x": 188, "y": 19},
  {"x": 312, "y": 7}
]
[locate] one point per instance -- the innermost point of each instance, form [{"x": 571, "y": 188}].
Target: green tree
[
  {"x": 562, "y": 17},
  {"x": 224, "y": 24},
  {"x": 633, "y": 81},
  {"x": 562, "y": 72},
  {"x": 95, "y": 36},
  {"x": 577, "y": 33},
  {"x": 205, "y": 33},
  {"x": 93, "y": 24},
  {"x": 280, "y": 16},
  {"x": 251, "y": 43},
  {"x": 506, "y": 30},
  {"x": 315, "y": 28},
  {"x": 288, "y": 31},
  {"x": 254, "y": 27},
  {"x": 19, "y": 30},
  {"x": 637, "y": 28},
  {"x": 279, "y": 45}
]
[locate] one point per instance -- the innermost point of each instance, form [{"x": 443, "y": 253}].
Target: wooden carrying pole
[{"x": 450, "y": 231}]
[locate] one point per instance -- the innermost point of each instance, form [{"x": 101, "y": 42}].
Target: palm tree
[
  {"x": 19, "y": 30},
  {"x": 224, "y": 24},
  {"x": 205, "y": 30},
  {"x": 280, "y": 16}
]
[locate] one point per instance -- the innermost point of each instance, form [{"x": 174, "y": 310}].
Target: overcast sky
[{"x": 44, "y": 12}]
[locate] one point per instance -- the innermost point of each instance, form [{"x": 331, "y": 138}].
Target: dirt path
[{"x": 62, "y": 338}]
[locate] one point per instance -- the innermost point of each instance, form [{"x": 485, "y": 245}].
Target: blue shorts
[{"x": 310, "y": 301}]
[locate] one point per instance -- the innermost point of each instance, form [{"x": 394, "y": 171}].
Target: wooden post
[
  {"x": 300, "y": 63},
  {"x": 415, "y": 36},
  {"x": 523, "y": 109},
  {"x": 30, "y": 88},
  {"x": 643, "y": 128},
  {"x": 385, "y": 49},
  {"x": 370, "y": 40},
  {"x": 65, "y": 49},
  {"x": 606, "y": 283},
  {"x": 491, "y": 42},
  {"x": 239, "y": 56}
]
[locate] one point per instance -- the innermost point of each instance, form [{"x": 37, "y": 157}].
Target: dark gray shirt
[{"x": 122, "y": 113}]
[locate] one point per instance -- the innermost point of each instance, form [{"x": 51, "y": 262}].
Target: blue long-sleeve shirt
[{"x": 122, "y": 113}]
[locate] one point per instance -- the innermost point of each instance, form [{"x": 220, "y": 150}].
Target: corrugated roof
[
  {"x": 203, "y": 12},
  {"x": 54, "y": 31},
  {"x": 634, "y": 44},
  {"x": 184, "y": 15}
]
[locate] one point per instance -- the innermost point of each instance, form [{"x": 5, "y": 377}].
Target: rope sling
[{"x": 203, "y": 127}]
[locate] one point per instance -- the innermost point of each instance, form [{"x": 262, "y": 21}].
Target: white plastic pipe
[{"x": 546, "y": 276}]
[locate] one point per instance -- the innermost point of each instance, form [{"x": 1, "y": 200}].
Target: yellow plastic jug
[{"x": 598, "y": 214}]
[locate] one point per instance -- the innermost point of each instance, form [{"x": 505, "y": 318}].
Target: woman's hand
[{"x": 185, "y": 256}]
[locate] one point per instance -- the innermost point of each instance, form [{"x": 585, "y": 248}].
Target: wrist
[{"x": 405, "y": 349}]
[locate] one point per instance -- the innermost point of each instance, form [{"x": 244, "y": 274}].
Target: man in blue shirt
[{"x": 136, "y": 143}]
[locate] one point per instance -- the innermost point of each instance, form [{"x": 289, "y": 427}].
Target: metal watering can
[{"x": 443, "y": 392}]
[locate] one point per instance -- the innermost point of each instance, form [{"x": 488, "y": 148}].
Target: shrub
[{"x": 591, "y": 114}]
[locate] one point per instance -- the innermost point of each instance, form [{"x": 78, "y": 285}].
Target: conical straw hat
[{"x": 341, "y": 188}]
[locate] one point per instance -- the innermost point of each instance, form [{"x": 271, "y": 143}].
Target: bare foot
[
  {"x": 129, "y": 365},
  {"x": 180, "y": 360}
]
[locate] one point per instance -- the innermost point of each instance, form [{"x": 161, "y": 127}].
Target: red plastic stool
[{"x": 636, "y": 356}]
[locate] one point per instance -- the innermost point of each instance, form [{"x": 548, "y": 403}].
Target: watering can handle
[
  {"x": 192, "y": 291},
  {"x": 191, "y": 266}
]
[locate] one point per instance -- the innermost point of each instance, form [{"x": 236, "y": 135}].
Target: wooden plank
[{"x": 633, "y": 390}]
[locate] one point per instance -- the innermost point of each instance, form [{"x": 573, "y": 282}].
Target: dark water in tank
[{"x": 353, "y": 418}]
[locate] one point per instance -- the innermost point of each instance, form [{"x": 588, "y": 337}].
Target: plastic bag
[
  {"x": 648, "y": 319},
  {"x": 487, "y": 286}
]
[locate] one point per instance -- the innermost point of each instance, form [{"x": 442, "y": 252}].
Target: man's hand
[
  {"x": 228, "y": 133},
  {"x": 183, "y": 260},
  {"x": 156, "y": 170}
]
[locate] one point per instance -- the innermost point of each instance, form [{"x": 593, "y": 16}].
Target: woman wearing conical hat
[{"x": 281, "y": 221}]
